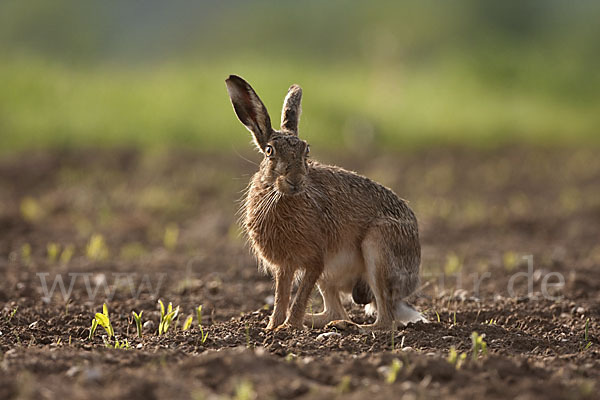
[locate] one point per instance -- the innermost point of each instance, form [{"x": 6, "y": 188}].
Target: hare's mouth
[{"x": 289, "y": 188}]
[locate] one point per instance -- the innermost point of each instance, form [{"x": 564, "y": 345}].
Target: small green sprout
[
  {"x": 124, "y": 344},
  {"x": 93, "y": 328},
  {"x": 13, "y": 313},
  {"x": 438, "y": 316},
  {"x": 96, "y": 249},
  {"x": 478, "y": 345},
  {"x": 52, "y": 250},
  {"x": 138, "y": 322},
  {"x": 188, "y": 323},
  {"x": 345, "y": 384},
  {"x": 510, "y": 260},
  {"x": 67, "y": 254},
  {"x": 586, "y": 335},
  {"x": 31, "y": 210},
  {"x": 26, "y": 254},
  {"x": 454, "y": 318},
  {"x": 203, "y": 336},
  {"x": 104, "y": 321},
  {"x": 395, "y": 367},
  {"x": 453, "y": 264},
  {"x": 491, "y": 321},
  {"x": 166, "y": 317},
  {"x": 245, "y": 391},
  {"x": 456, "y": 359},
  {"x": 171, "y": 236}
]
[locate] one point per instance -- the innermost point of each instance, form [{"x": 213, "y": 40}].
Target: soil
[{"x": 511, "y": 251}]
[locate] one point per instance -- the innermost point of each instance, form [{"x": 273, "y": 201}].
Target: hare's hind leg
[
  {"x": 332, "y": 308},
  {"x": 391, "y": 254}
]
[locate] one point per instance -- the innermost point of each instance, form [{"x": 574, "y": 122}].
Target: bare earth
[{"x": 481, "y": 212}]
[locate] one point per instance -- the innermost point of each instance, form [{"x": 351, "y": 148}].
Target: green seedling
[
  {"x": 52, "y": 250},
  {"x": 453, "y": 264},
  {"x": 478, "y": 345},
  {"x": 491, "y": 321},
  {"x": 138, "y": 322},
  {"x": 26, "y": 254},
  {"x": 13, "y": 313},
  {"x": 171, "y": 237},
  {"x": 395, "y": 367},
  {"x": 93, "y": 328},
  {"x": 454, "y": 319},
  {"x": 124, "y": 344},
  {"x": 203, "y": 336},
  {"x": 438, "y": 316},
  {"x": 166, "y": 317},
  {"x": 247, "y": 328},
  {"x": 456, "y": 359},
  {"x": 245, "y": 391},
  {"x": 510, "y": 260},
  {"x": 96, "y": 249},
  {"x": 104, "y": 321},
  {"x": 586, "y": 335},
  {"x": 67, "y": 254},
  {"x": 188, "y": 323},
  {"x": 31, "y": 210},
  {"x": 345, "y": 384}
]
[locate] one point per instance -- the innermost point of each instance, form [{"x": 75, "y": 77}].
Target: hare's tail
[{"x": 403, "y": 312}]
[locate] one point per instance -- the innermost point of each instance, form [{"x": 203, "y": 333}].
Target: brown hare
[{"x": 324, "y": 225}]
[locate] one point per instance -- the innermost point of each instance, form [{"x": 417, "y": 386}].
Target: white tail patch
[
  {"x": 370, "y": 309},
  {"x": 405, "y": 313}
]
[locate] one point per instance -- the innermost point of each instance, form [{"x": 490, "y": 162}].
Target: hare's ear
[
  {"x": 290, "y": 115},
  {"x": 250, "y": 110}
]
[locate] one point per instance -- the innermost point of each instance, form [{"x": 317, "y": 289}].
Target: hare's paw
[
  {"x": 286, "y": 326},
  {"x": 317, "y": 320},
  {"x": 344, "y": 325},
  {"x": 271, "y": 326}
]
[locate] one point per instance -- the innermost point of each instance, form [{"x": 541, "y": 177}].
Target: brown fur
[{"x": 330, "y": 226}]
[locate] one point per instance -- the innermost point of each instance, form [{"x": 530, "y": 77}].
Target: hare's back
[{"x": 352, "y": 196}]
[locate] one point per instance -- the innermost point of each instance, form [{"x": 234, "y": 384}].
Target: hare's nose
[{"x": 294, "y": 184}]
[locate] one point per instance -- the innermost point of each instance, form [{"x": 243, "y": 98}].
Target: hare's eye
[
  {"x": 307, "y": 149},
  {"x": 269, "y": 151}
]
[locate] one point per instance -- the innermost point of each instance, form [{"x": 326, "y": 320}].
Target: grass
[{"x": 49, "y": 104}]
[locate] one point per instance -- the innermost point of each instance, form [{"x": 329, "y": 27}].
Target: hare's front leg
[
  {"x": 283, "y": 289},
  {"x": 306, "y": 287}
]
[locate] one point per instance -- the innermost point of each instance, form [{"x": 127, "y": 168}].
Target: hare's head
[{"x": 285, "y": 164}]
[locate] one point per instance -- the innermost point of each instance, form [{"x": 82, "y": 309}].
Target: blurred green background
[{"x": 375, "y": 74}]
